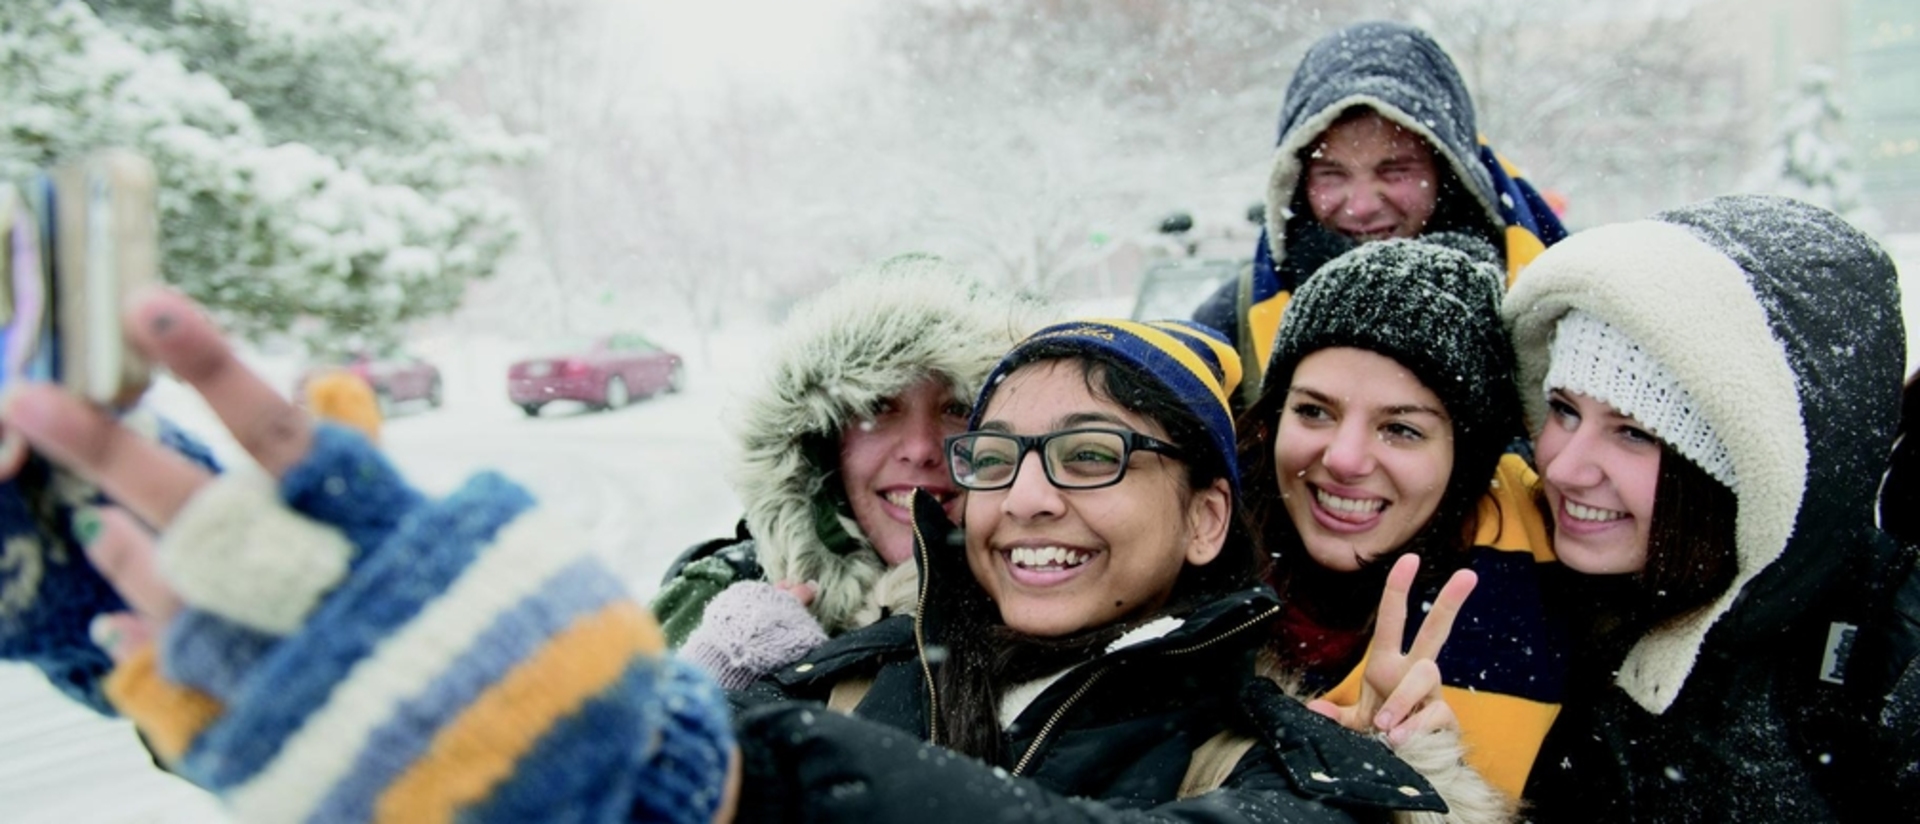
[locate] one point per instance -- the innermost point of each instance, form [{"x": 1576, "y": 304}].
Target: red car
[
  {"x": 604, "y": 373},
  {"x": 396, "y": 378}
]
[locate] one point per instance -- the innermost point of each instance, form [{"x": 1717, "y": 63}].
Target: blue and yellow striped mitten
[{"x": 355, "y": 652}]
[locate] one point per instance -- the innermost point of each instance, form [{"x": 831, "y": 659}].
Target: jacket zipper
[
  {"x": 919, "y": 627},
  {"x": 1053, "y": 720}
]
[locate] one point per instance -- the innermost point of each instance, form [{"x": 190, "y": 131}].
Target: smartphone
[{"x": 80, "y": 238}]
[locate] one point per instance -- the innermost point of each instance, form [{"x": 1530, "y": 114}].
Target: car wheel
[
  {"x": 532, "y": 409},
  {"x": 434, "y": 396},
  {"x": 616, "y": 395},
  {"x": 676, "y": 380}
]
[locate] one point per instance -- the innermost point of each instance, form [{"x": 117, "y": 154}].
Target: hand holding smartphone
[{"x": 79, "y": 238}]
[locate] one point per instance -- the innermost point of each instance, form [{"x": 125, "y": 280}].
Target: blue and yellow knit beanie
[{"x": 1192, "y": 361}]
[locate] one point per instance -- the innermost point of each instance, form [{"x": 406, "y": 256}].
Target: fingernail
[
  {"x": 87, "y": 525},
  {"x": 105, "y": 633},
  {"x": 1384, "y": 720}
]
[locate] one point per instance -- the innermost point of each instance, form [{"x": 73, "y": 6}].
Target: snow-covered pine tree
[
  {"x": 307, "y": 172},
  {"x": 1808, "y": 158}
]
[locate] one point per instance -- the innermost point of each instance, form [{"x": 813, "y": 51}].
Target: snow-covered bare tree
[
  {"x": 1601, "y": 102},
  {"x": 1808, "y": 157},
  {"x": 308, "y": 174},
  {"x": 1026, "y": 128}
]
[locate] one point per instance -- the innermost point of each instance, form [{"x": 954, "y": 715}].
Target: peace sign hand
[{"x": 1400, "y": 691}]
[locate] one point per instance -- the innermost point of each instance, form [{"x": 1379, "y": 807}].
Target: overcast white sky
[{"x": 763, "y": 43}]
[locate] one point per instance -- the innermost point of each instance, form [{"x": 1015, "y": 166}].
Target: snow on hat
[
  {"x": 1194, "y": 362},
  {"x": 1590, "y": 357},
  {"x": 1434, "y": 309}
]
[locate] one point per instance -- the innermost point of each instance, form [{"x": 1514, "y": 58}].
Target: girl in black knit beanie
[{"x": 1383, "y": 430}]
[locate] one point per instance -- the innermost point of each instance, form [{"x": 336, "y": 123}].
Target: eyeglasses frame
[{"x": 1130, "y": 442}]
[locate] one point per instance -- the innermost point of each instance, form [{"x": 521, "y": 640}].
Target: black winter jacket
[
  {"x": 1109, "y": 741},
  {"x": 1781, "y": 323}
]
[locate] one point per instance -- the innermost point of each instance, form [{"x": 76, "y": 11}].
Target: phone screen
[{"x": 28, "y": 340}]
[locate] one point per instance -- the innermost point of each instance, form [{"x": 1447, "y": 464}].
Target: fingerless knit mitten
[{"x": 356, "y": 652}]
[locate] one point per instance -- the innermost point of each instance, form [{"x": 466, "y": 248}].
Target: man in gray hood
[{"x": 1377, "y": 140}]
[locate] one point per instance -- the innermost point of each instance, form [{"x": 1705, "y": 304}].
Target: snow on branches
[{"x": 307, "y": 172}]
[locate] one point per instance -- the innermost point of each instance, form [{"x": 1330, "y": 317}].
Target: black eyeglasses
[{"x": 1073, "y": 458}]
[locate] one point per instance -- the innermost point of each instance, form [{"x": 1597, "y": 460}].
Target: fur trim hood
[
  {"x": 1782, "y": 322},
  {"x": 1400, "y": 72},
  {"x": 839, "y": 355}
]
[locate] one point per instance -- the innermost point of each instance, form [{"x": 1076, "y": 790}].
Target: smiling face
[
  {"x": 1363, "y": 451},
  {"x": 1060, "y": 561},
  {"x": 1369, "y": 179},
  {"x": 1601, "y": 470},
  {"x": 883, "y": 458}
]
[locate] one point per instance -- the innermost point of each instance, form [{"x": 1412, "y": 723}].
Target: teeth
[
  {"x": 1047, "y": 557},
  {"x": 1591, "y": 513},
  {"x": 1350, "y": 505},
  {"x": 904, "y": 500}
]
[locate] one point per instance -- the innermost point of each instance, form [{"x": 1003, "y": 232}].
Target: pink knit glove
[{"x": 749, "y": 630}]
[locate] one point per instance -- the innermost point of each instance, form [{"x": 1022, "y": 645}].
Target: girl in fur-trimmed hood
[{"x": 866, "y": 379}]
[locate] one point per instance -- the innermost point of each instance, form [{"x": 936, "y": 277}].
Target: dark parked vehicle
[
  {"x": 395, "y": 378},
  {"x": 604, "y": 373}
]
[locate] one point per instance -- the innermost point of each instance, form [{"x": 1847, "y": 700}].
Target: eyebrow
[
  {"x": 1395, "y": 410},
  {"x": 1067, "y": 422},
  {"x": 1612, "y": 413}
]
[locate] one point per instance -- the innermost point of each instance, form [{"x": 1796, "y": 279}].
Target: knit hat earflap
[
  {"x": 1192, "y": 361},
  {"x": 1590, "y": 357}
]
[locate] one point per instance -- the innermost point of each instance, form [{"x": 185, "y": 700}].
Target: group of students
[{"x": 1438, "y": 512}]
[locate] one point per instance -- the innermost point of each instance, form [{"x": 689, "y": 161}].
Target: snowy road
[{"x": 641, "y": 483}]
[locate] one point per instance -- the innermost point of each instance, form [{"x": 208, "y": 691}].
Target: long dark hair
[
  {"x": 984, "y": 656},
  {"x": 1691, "y": 545}
]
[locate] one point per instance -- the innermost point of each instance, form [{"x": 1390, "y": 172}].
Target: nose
[
  {"x": 1573, "y": 465},
  {"x": 921, "y": 443},
  {"x": 1364, "y": 199},
  {"x": 1032, "y": 495},
  {"x": 1350, "y": 453}
]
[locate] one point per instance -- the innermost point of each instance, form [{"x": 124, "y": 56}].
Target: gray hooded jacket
[{"x": 1782, "y": 323}]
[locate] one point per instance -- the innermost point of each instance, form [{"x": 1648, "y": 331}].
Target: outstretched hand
[
  {"x": 1400, "y": 690},
  {"x": 149, "y": 480}
]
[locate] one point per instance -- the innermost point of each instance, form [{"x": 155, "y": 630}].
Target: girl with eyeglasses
[{"x": 1382, "y": 431}]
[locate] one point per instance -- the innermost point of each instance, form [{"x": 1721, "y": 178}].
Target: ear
[{"x": 1208, "y": 515}]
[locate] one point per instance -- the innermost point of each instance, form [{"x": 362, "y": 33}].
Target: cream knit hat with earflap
[{"x": 1592, "y": 358}]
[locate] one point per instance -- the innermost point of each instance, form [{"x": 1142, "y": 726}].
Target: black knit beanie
[{"x": 1433, "y": 307}]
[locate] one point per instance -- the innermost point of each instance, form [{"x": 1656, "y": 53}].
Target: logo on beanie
[{"x": 1085, "y": 330}]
